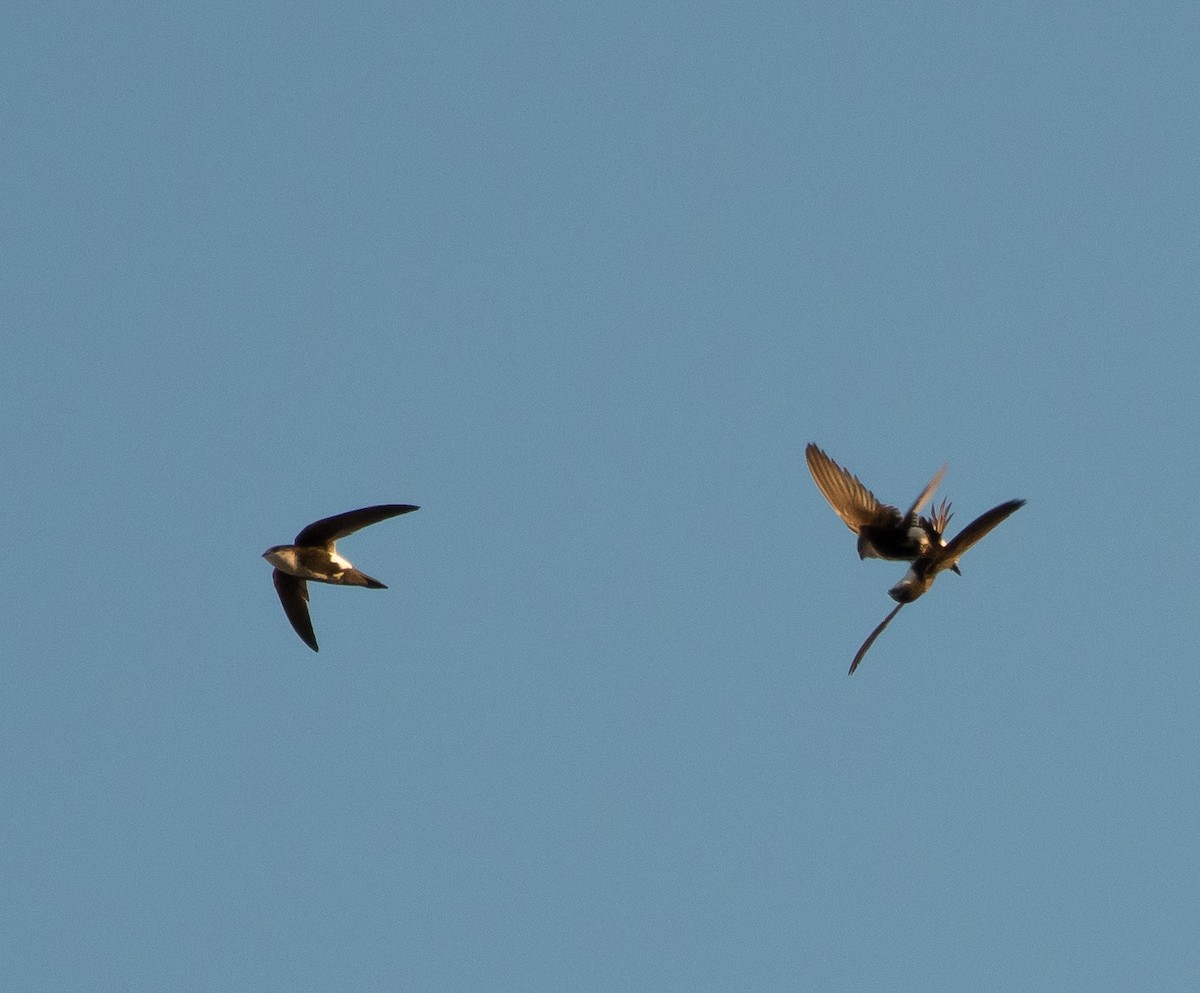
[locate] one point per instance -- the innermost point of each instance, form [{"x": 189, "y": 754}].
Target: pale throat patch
[{"x": 284, "y": 559}]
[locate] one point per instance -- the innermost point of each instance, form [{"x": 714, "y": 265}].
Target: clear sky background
[{"x": 582, "y": 280}]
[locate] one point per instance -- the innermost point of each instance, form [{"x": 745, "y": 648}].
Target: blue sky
[{"x": 582, "y": 281}]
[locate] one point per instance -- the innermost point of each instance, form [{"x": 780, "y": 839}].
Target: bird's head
[{"x": 277, "y": 555}]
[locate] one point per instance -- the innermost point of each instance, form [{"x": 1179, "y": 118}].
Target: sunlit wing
[{"x": 851, "y": 501}]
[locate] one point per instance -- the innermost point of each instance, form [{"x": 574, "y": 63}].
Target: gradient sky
[{"x": 582, "y": 280}]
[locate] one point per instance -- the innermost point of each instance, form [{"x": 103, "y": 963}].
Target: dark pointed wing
[
  {"x": 851, "y": 501},
  {"x": 293, "y": 594},
  {"x": 944, "y": 558},
  {"x": 874, "y": 634},
  {"x": 330, "y": 529},
  {"x": 927, "y": 492}
]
